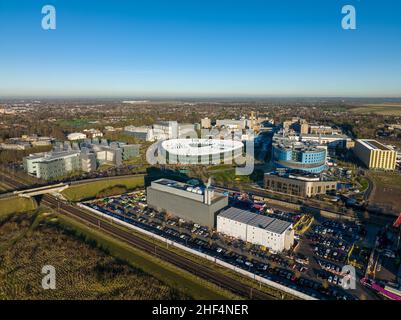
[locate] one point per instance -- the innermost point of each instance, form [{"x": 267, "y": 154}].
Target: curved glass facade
[{"x": 301, "y": 157}]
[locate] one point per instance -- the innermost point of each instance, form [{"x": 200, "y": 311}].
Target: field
[
  {"x": 28, "y": 241},
  {"x": 92, "y": 189},
  {"x": 16, "y": 204},
  {"x": 3, "y": 188},
  {"x": 191, "y": 285},
  {"x": 386, "y": 191},
  {"x": 385, "y": 109}
]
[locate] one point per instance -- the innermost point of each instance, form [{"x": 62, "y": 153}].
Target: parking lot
[{"x": 292, "y": 269}]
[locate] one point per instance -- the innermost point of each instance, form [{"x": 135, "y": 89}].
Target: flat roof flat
[
  {"x": 256, "y": 220},
  {"x": 333, "y": 136},
  {"x": 373, "y": 144}
]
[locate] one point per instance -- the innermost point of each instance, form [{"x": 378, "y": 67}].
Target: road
[
  {"x": 369, "y": 190},
  {"x": 184, "y": 263}
]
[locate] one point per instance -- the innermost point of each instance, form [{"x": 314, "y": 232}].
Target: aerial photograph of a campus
[{"x": 200, "y": 150}]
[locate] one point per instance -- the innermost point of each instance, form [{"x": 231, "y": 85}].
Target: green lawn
[
  {"x": 91, "y": 189},
  {"x": 83, "y": 271},
  {"x": 228, "y": 176},
  {"x": 16, "y": 205}
]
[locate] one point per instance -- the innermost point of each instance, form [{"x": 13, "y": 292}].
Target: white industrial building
[
  {"x": 275, "y": 234},
  {"x": 76, "y": 136}
]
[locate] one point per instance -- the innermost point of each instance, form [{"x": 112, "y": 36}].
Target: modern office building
[
  {"x": 53, "y": 165},
  {"x": 141, "y": 133},
  {"x": 88, "y": 161},
  {"x": 108, "y": 154},
  {"x": 84, "y": 156},
  {"x": 275, "y": 234},
  {"x": 296, "y": 155},
  {"x": 299, "y": 184},
  {"x": 196, "y": 204},
  {"x": 375, "y": 155}
]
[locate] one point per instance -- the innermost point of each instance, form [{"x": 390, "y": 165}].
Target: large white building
[
  {"x": 375, "y": 155},
  {"x": 51, "y": 165},
  {"x": 275, "y": 234},
  {"x": 200, "y": 151}
]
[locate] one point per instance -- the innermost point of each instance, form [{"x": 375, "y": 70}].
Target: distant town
[{"x": 317, "y": 217}]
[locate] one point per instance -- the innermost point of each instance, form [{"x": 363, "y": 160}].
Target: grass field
[
  {"x": 91, "y": 189},
  {"x": 393, "y": 109},
  {"x": 16, "y": 204},
  {"x": 387, "y": 190},
  {"x": 227, "y": 175},
  {"x": 3, "y": 187},
  {"x": 28, "y": 241},
  {"x": 176, "y": 278},
  {"x": 78, "y": 123}
]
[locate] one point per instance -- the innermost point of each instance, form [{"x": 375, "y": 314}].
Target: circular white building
[{"x": 200, "y": 151}]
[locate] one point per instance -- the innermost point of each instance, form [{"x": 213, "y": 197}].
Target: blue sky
[{"x": 200, "y": 48}]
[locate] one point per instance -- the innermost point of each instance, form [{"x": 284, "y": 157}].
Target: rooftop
[
  {"x": 49, "y": 156},
  {"x": 200, "y": 147},
  {"x": 373, "y": 144},
  {"x": 256, "y": 220},
  {"x": 325, "y": 136},
  {"x": 285, "y": 142}
]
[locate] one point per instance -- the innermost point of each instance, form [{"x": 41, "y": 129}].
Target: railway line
[{"x": 162, "y": 253}]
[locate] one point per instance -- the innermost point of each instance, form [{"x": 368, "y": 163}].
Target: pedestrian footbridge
[{"x": 41, "y": 190}]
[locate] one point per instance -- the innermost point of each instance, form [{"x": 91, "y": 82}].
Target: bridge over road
[{"x": 56, "y": 188}]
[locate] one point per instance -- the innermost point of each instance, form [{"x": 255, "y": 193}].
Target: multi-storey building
[
  {"x": 52, "y": 165},
  {"x": 375, "y": 155},
  {"x": 296, "y": 155},
  {"x": 300, "y": 185}
]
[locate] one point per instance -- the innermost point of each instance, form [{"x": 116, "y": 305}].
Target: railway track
[{"x": 162, "y": 253}]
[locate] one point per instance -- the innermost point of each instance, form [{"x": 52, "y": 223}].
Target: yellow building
[{"x": 375, "y": 155}]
